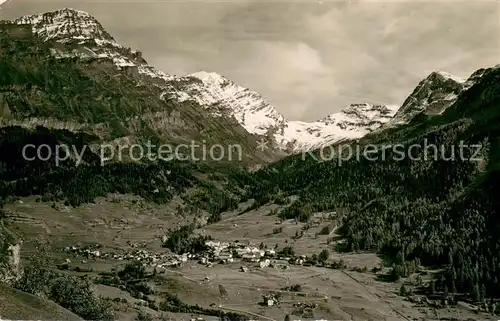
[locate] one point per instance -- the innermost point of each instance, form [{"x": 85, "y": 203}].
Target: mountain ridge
[
  {"x": 433, "y": 95},
  {"x": 439, "y": 210},
  {"x": 102, "y": 89},
  {"x": 259, "y": 117},
  {"x": 86, "y": 39},
  {"x": 217, "y": 94}
]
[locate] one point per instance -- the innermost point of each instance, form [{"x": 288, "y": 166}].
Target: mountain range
[{"x": 76, "y": 34}]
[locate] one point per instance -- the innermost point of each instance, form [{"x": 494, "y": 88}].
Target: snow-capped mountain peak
[
  {"x": 94, "y": 42},
  {"x": 2, "y": 2},
  {"x": 447, "y": 75},
  {"x": 361, "y": 113},
  {"x": 225, "y": 98},
  {"x": 352, "y": 122},
  {"x": 66, "y": 24},
  {"x": 259, "y": 117}
]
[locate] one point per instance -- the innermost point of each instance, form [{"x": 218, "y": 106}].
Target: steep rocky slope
[
  {"x": 63, "y": 70},
  {"x": 433, "y": 95}
]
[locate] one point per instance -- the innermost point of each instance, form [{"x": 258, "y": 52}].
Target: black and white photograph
[{"x": 250, "y": 160}]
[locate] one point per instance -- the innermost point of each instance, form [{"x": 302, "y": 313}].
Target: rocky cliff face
[
  {"x": 10, "y": 256},
  {"x": 89, "y": 40},
  {"x": 433, "y": 95},
  {"x": 66, "y": 24},
  {"x": 12, "y": 268}
]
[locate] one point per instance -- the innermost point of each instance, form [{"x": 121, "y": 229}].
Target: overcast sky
[{"x": 309, "y": 58}]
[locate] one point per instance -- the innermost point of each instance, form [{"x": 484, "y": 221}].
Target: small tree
[
  {"x": 288, "y": 251},
  {"x": 432, "y": 287},
  {"x": 323, "y": 256},
  {"x": 394, "y": 276},
  {"x": 143, "y": 316},
  {"x": 476, "y": 295},
  {"x": 445, "y": 292},
  {"x": 325, "y": 230},
  {"x": 133, "y": 270},
  {"x": 402, "y": 290},
  {"x": 222, "y": 292},
  {"x": 453, "y": 287},
  {"x": 287, "y": 317}
]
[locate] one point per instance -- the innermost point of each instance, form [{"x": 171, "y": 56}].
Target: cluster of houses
[
  {"x": 155, "y": 259},
  {"x": 227, "y": 252},
  {"x": 217, "y": 252},
  {"x": 270, "y": 299},
  {"x": 87, "y": 251},
  {"x": 298, "y": 260}
]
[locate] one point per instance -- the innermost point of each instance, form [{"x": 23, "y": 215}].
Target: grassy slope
[{"x": 18, "y": 305}]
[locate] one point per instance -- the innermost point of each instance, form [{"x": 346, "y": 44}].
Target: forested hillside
[
  {"x": 76, "y": 184},
  {"x": 440, "y": 211}
]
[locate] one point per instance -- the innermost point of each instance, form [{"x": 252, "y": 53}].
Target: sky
[{"x": 309, "y": 58}]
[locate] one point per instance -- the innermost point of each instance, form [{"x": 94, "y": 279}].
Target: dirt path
[
  {"x": 247, "y": 312},
  {"x": 335, "y": 228}
]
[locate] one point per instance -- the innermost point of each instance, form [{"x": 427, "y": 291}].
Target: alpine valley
[{"x": 276, "y": 234}]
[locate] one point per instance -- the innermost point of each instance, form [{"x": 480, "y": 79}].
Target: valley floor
[{"x": 124, "y": 224}]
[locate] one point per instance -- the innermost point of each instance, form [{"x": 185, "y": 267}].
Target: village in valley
[{"x": 249, "y": 263}]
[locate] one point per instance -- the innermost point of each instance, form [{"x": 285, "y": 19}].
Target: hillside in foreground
[{"x": 18, "y": 305}]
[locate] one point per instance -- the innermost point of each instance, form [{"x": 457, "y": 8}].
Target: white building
[
  {"x": 264, "y": 263},
  {"x": 249, "y": 257},
  {"x": 270, "y": 252},
  {"x": 217, "y": 247}
]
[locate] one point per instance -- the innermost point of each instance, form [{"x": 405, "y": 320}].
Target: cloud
[{"x": 296, "y": 74}]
